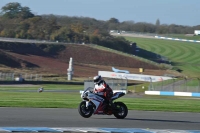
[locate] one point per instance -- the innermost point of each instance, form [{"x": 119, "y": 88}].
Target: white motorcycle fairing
[
  {"x": 98, "y": 101},
  {"x": 117, "y": 95}
]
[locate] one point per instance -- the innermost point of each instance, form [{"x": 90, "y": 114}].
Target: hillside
[
  {"x": 52, "y": 59},
  {"x": 183, "y": 56}
]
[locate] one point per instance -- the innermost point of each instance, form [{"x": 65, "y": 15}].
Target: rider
[{"x": 102, "y": 88}]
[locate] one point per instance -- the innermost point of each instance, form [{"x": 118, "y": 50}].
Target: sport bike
[{"x": 94, "y": 104}]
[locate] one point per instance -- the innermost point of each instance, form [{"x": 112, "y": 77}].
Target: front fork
[{"x": 87, "y": 104}]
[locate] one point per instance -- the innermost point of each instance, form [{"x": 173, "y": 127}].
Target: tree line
[{"x": 17, "y": 21}]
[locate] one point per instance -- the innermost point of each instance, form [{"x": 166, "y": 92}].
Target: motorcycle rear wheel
[
  {"x": 84, "y": 111},
  {"x": 122, "y": 110}
]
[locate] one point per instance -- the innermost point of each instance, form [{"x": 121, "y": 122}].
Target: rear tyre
[
  {"x": 84, "y": 111},
  {"x": 121, "y": 110}
]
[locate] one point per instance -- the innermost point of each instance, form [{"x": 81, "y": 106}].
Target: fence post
[
  {"x": 185, "y": 85},
  {"x": 134, "y": 88},
  {"x": 199, "y": 85},
  {"x": 13, "y": 76},
  {"x": 126, "y": 83},
  {"x": 162, "y": 83},
  {"x": 173, "y": 84},
  {"x": 36, "y": 76},
  {"x": 151, "y": 84},
  {"x": 26, "y": 77}
]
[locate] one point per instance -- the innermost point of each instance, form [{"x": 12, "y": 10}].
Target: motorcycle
[{"x": 94, "y": 104}]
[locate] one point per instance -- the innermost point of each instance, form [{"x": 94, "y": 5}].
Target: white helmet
[{"x": 97, "y": 79}]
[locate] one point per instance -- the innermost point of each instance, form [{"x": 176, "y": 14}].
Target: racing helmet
[{"x": 97, "y": 79}]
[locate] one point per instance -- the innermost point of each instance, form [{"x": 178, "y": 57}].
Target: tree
[
  {"x": 113, "y": 20},
  {"x": 25, "y": 13},
  {"x": 15, "y": 10},
  {"x": 11, "y": 10},
  {"x": 94, "y": 39},
  {"x": 157, "y": 22},
  {"x": 157, "y": 25},
  {"x": 78, "y": 28}
]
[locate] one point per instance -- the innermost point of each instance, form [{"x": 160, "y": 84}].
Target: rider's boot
[
  {"x": 106, "y": 102},
  {"x": 111, "y": 104}
]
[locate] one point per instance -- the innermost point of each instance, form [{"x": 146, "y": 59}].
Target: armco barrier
[
  {"x": 177, "y": 39},
  {"x": 170, "y": 93}
]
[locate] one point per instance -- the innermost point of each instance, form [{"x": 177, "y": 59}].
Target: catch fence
[
  {"x": 20, "y": 77},
  {"x": 7, "y": 76},
  {"x": 176, "y": 85}
]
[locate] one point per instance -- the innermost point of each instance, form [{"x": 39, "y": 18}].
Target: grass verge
[{"x": 67, "y": 99}]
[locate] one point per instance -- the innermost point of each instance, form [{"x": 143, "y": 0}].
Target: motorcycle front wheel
[
  {"x": 121, "y": 110},
  {"x": 84, "y": 111}
]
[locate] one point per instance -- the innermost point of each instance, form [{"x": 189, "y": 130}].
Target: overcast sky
[{"x": 180, "y": 12}]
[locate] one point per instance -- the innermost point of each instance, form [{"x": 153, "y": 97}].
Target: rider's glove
[{"x": 95, "y": 91}]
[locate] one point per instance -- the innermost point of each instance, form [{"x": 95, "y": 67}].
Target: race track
[{"x": 39, "y": 117}]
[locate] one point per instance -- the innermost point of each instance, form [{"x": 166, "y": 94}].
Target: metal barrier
[{"x": 176, "y": 85}]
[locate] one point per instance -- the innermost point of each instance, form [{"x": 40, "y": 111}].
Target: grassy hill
[
  {"x": 184, "y": 56},
  {"x": 53, "y": 59}
]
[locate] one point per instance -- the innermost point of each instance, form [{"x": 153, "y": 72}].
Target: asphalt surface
[{"x": 56, "y": 117}]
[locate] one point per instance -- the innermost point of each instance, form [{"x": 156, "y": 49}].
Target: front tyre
[
  {"x": 121, "y": 110},
  {"x": 84, "y": 111}
]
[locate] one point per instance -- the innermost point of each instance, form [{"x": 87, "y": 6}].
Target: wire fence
[
  {"x": 176, "y": 85},
  {"x": 7, "y": 76},
  {"x": 20, "y": 77},
  {"x": 32, "y": 77}
]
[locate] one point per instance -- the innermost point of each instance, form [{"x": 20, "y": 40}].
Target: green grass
[
  {"x": 72, "y": 100},
  {"x": 39, "y": 100},
  {"x": 46, "y": 87},
  {"x": 183, "y": 55},
  {"x": 162, "y": 104}
]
